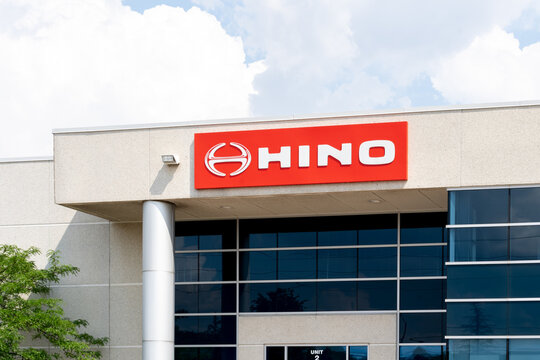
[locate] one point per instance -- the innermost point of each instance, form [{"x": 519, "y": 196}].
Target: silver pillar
[{"x": 158, "y": 280}]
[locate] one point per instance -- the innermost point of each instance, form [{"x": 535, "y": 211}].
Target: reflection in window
[
  {"x": 423, "y": 228},
  {"x": 422, "y": 353},
  {"x": 197, "y": 235},
  {"x": 477, "y": 349},
  {"x": 335, "y": 238},
  {"x": 186, "y": 267},
  {"x": 478, "y": 206},
  {"x": 337, "y": 263},
  {"x": 258, "y": 265},
  {"x": 297, "y": 264},
  {"x": 476, "y": 318},
  {"x": 523, "y": 280},
  {"x": 205, "y": 298},
  {"x": 524, "y": 205},
  {"x": 421, "y": 328},
  {"x": 422, "y": 294},
  {"x": 524, "y": 349},
  {"x": 479, "y": 244},
  {"x": 523, "y": 318},
  {"x": 358, "y": 353},
  {"x": 336, "y": 296},
  {"x": 272, "y": 297},
  {"x": 377, "y": 262},
  {"x": 295, "y": 239},
  {"x": 376, "y": 295},
  {"x": 205, "y": 330},
  {"x": 470, "y": 282},
  {"x": 422, "y": 261},
  {"x": 525, "y": 243}
]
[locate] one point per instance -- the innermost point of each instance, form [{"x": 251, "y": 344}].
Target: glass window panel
[
  {"x": 205, "y": 330},
  {"x": 524, "y": 280},
  {"x": 186, "y": 299},
  {"x": 186, "y": 267},
  {"x": 420, "y": 328},
  {"x": 272, "y": 297},
  {"x": 479, "y": 244},
  {"x": 422, "y": 261},
  {"x": 469, "y": 282},
  {"x": 294, "y": 239},
  {"x": 337, "y": 238},
  {"x": 524, "y": 349},
  {"x": 297, "y": 264},
  {"x": 205, "y": 353},
  {"x": 186, "y": 242},
  {"x": 376, "y": 295},
  {"x": 217, "y": 266},
  {"x": 218, "y": 298},
  {"x": 377, "y": 236},
  {"x": 337, "y": 263},
  {"x": 258, "y": 265},
  {"x": 477, "y": 349},
  {"x": 524, "y": 205},
  {"x": 422, "y": 294},
  {"x": 260, "y": 241},
  {"x": 523, "y": 318},
  {"x": 423, "y": 228},
  {"x": 275, "y": 353},
  {"x": 377, "y": 262},
  {"x": 357, "y": 352},
  {"x": 422, "y": 353},
  {"x": 476, "y": 318},
  {"x": 316, "y": 353},
  {"x": 336, "y": 296},
  {"x": 210, "y": 242},
  {"x": 479, "y": 206},
  {"x": 525, "y": 243}
]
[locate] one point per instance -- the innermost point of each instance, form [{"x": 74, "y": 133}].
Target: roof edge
[
  {"x": 293, "y": 117},
  {"x": 26, "y": 159}
]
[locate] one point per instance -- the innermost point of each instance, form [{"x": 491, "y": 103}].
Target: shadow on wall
[{"x": 163, "y": 178}]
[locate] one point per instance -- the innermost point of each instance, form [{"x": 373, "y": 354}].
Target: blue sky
[{"x": 81, "y": 63}]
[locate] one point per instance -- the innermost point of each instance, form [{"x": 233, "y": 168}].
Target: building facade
[{"x": 406, "y": 235}]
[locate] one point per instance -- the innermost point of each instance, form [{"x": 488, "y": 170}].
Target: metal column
[{"x": 158, "y": 280}]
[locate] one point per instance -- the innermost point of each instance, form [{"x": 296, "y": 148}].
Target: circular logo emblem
[{"x": 244, "y": 159}]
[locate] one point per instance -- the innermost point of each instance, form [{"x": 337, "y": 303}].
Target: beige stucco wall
[
  {"x": 107, "y": 291},
  {"x": 377, "y": 331},
  {"x": 450, "y": 148}
]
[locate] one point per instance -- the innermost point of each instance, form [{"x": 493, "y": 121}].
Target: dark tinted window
[
  {"x": 377, "y": 262},
  {"x": 186, "y": 267},
  {"x": 217, "y": 266},
  {"x": 267, "y": 240},
  {"x": 316, "y": 353},
  {"x": 422, "y": 261},
  {"x": 423, "y": 228},
  {"x": 422, "y": 294},
  {"x": 479, "y": 244},
  {"x": 205, "y": 235},
  {"x": 478, "y": 206},
  {"x": 525, "y": 243},
  {"x": 275, "y": 353},
  {"x": 477, "y": 349},
  {"x": 524, "y": 280},
  {"x": 337, "y": 263},
  {"x": 205, "y": 330},
  {"x": 376, "y": 295},
  {"x": 377, "y": 236},
  {"x": 258, "y": 265},
  {"x": 335, "y": 238},
  {"x": 205, "y": 353},
  {"x": 357, "y": 352},
  {"x": 523, "y": 318},
  {"x": 205, "y": 298},
  {"x": 524, "y": 205},
  {"x": 283, "y": 297},
  {"x": 336, "y": 296},
  {"x": 524, "y": 349},
  {"x": 297, "y": 264},
  {"x": 420, "y": 328},
  {"x": 422, "y": 353},
  {"x": 472, "y": 281},
  {"x": 294, "y": 239},
  {"x": 476, "y": 318}
]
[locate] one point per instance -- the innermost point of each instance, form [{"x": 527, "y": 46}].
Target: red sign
[{"x": 295, "y": 156}]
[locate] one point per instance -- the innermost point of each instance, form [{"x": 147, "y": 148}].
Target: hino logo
[{"x": 210, "y": 160}]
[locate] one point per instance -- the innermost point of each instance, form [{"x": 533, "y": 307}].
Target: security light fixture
[
  {"x": 375, "y": 201},
  {"x": 170, "y": 160}
]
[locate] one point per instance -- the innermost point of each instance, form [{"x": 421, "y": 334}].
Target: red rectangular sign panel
[{"x": 295, "y": 156}]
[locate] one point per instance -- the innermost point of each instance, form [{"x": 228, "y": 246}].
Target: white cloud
[
  {"x": 68, "y": 63},
  {"x": 492, "y": 68}
]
